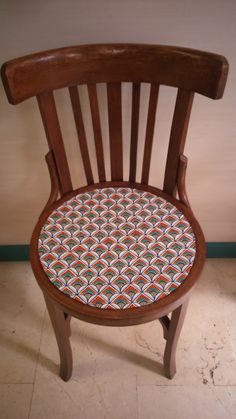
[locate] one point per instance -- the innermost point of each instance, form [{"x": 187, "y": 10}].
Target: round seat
[{"x": 116, "y": 247}]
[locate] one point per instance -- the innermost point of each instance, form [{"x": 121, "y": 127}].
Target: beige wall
[{"x": 28, "y": 25}]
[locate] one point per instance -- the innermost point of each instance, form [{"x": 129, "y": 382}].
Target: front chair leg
[
  {"x": 61, "y": 325},
  {"x": 174, "y": 329}
]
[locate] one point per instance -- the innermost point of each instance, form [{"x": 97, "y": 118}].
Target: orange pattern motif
[{"x": 117, "y": 248}]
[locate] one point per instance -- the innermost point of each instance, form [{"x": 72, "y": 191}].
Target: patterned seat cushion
[{"x": 116, "y": 248}]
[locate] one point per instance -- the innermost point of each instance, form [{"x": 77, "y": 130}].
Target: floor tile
[
  {"x": 111, "y": 398},
  {"x": 15, "y": 400},
  {"x": 23, "y": 309},
  {"x": 225, "y": 274},
  {"x": 205, "y": 352},
  {"x": 185, "y": 402},
  {"x": 102, "y": 380}
]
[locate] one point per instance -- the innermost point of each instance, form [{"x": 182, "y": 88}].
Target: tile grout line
[{"x": 37, "y": 362}]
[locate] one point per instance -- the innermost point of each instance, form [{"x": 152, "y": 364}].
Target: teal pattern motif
[{"x": 116, "y": 248}]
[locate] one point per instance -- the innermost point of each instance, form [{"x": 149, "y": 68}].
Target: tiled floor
[{"x": 118, "y": 371}]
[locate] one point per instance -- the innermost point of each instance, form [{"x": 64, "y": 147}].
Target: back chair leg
[
  {"x": 68, "y": 319},
  {"x": 61, "y": 325},
  {"x": 174, "y": 329}
]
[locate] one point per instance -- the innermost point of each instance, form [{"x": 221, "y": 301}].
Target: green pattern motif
[{"x": 116, "y": 248}]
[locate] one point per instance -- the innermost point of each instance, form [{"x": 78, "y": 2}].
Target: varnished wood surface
[
  {"x": 134, "y": 130},
  {"x": 178, "y": 134},
  {"x": 181, "y": 184},
  {"x": 55, "y": 186},
  {"x": 185, "y": 68},
  {"x": 189, "y": 70},
  {"x": 115, "y": 130},
  {"x": 173, "y": 333},
  {"x": 92, "y": 91},
  {"x": 151, "y": 117},
  {"x": 79, "y": 123},
  {"x": 55, "y": 142},
  {"x": 132, "y": 315},
  {"x": 61, "y": 326}
]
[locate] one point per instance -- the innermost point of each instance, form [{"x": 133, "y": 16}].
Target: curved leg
[
  {"x": 61, "y": 325},
  {"x": 165, "y": 322},
  {"x": 174, "y": 329},
  {"x": 68, "y": 319}
]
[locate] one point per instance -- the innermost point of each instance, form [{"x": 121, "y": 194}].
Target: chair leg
[
  {"x": 68, "y": 319},
  {"x": 174, "y": 329},
  {"x": 165, "y": 322},
  {"x": 61, "y": 325}
]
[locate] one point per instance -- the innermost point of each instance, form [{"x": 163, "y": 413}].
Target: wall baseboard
[
  {"x": 14, "y": 252},
  {"x": 221, "y": 249},
  {"x": 18, "y": 252}
]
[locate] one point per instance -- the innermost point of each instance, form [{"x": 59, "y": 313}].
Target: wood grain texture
[
  {"x": 181, "y": 180},
  {"x": 75, "y": 101},
  {"x": 92, "y": 91},
  {"x": 115, "y": 130},
  {"x": 173, "y": 334},
  {"x": 149, "y": 132},
  {"x": 185, "y": 68},
  {"x": 54, "y": 178},
  {"x": 136, "y": 87},
  {"x": 61, "y": 326},
  {"x": 52, "y": 128},
  {"x": 178, "y": 134}
]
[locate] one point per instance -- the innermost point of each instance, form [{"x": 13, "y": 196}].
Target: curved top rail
[{"x": 185, "y": 68}]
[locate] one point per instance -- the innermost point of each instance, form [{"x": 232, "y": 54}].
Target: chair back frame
[{"x": 186, "y": 69}]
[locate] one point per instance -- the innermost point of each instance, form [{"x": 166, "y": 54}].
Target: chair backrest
[{"x": 186, "y": 69}]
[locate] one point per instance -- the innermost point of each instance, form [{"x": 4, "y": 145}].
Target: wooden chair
[{"x": 116, "y": 252}]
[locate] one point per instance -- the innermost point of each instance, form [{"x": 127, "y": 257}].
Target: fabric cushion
[{"x": 117, "y": 248}]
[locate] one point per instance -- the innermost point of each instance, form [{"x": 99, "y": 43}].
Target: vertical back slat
[
  {"x": 178, "y": 134},
  {"x": 74, "y": 96},
  {"x": 92, "y": 92},
  {"x": 115, "y": 130},
  {"x": 149, "y": 132},
  {"x": 134, "y": 131},
  {"x": 52, "y": 128}
]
